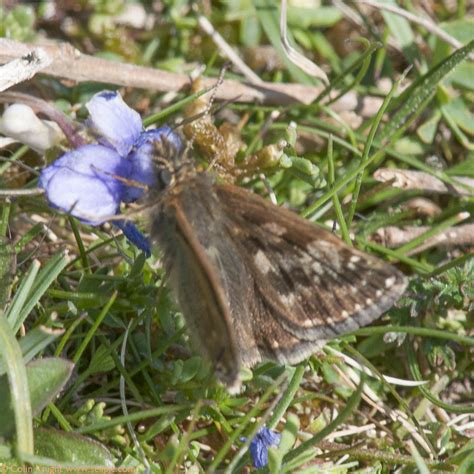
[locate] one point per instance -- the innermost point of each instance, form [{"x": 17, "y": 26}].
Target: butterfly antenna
[{"x": 126, "y": 181}]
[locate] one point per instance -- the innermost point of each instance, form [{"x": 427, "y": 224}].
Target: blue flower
[
  {"x": 86, "y": 183},
  {"x": 260, "y": 444},
  {"x": 83, "y": 183}
]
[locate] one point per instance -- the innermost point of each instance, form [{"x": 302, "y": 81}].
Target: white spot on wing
[
  {"x": 214, "y": 255},
  {"x": 262, "y": 262},
  {"x": 317, "y": 268},
  {"x": 212, "y": 252},
  {"x": 354, "y": 259},
  {"x": 305, "y": 259},
  {"x": 389, "y": 282},
  {"x": 314, "y": 249},
  {"x": 326, "y": 252},
  {"x": 287, "y": 299}
]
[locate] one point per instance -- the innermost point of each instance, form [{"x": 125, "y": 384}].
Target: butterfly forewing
[
  {"x": 195, "y": 281},
  {"x": 314, "y": 285}
]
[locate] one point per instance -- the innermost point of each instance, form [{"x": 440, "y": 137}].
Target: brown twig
[
  {"x": 387, "y": 457},
  {"x": 22, "y": 68},
  {"x": 407, "y": 179},
  {"x": 393, "y": 237},
  {"x": 421, "y": 206},
  {"x": 70, "y": 63}
]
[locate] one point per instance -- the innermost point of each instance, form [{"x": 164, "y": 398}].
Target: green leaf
[
  {"x": 274, "y": 460},
  {"x": 456, "y": 129},
  {"x": 461, "y": 114},
  {"x": 462, "y": 29},
  {"x": 416, "y": 374},
  {"x": 33, "y": 343},
  {"x": 5, "y": 452},
  {"x": 467, "y": 466},
  {"x": 422, "y": 88},
  {"x": 313, "y": 17},
  {"x": 463, "y": 76},
  {"x": 427, "y": 131},
  {"x": 400, "y": 28},
  {"x": 7, "y": 263},
  {"x": 289, "y": 433},
  {"x": 190, "y": 369},
  {"x": 18, "y": 383},
  {"x": 463, "y": 453},
  {"x": 250, "y": 32},
  {"x": 101, "y": 361},
  {"x": 71, "y": 448},
  {"x": 464, "y": 168},
  {"x": 46, "y": 377},
  {"x": 18, "y": 23}
]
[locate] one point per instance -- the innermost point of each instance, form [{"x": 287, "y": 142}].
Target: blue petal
[
  {"x": 164, "y": 132},
  {"x": 115, "y": 123},
  {"x": 83, "y": 183},
  {"x": 260, "y": 444},
  {"x": 134, "y": 236},
  {"x": 143, "y": 169}
]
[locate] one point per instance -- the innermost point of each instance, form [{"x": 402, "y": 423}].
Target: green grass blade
[
  {"x": 42, "y": 282},
  {"x": 418, "y": 331},
  {"x": 6, "y": 208},
  {"x": 335, "y": 200},
  {"x": 13, "y": 314},
  {"x": 288, "y": 396},
  {"x": 133, "y": 417},
  {"x": 363, "y": 61},
  {"x": 416, "y": 94},
  {"x": 351, "y": 405},
  {"x": 16, "y": 371},
  {"x": 368, "y": 146}
]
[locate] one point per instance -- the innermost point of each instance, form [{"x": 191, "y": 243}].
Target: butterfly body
[{"x": 255, "y": 281}]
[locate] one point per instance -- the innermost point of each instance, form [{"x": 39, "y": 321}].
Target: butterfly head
[{"x": 170, "y": 160}]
